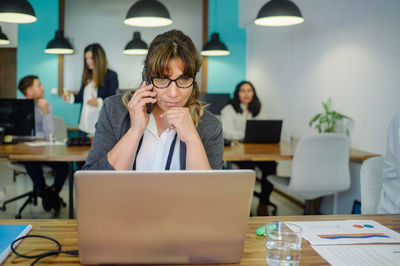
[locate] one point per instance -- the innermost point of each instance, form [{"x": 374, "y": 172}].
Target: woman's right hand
[{"x": 137, "y": 107}]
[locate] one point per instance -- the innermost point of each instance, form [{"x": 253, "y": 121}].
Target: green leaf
[
  {"x": 315, "y": 118},
  {"x": 324, "y": 119}
]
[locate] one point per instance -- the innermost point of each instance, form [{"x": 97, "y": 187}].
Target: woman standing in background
[
  {"x": 246, "y": 105},
  {"x": 98, "y": 82}
]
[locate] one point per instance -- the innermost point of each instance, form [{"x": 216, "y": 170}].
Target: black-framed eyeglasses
[{"x": 181, "y": 82}]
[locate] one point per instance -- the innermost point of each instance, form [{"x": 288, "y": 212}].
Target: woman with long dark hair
[{"x": 246, "y": 105}]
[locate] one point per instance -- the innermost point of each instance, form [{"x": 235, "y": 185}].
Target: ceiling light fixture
[
  {"x": 279, "y": 13},
  {"x": 136, "y": 46},
  {"x": 59, "y": 45},
  {"x": 148, "y": 13},
  {"x": 215, "y": 47},
  {"x": 16, "y": 11},
  {"x": 3, "y": 38}
]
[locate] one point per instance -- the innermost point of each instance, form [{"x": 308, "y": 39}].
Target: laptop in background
[
  {"x": 263, "y": 131},
  {"x": 184, "y": 217}
]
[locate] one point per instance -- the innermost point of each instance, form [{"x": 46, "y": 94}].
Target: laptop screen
[{"x": 263, "y": 131}]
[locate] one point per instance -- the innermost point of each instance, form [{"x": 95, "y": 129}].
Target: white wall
[
  {"x": 346, "y": 50},
  {"x": 11, "y": 31},
  {"x": 89, "y": 21}
]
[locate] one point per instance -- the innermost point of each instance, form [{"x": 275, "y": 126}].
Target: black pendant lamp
[
  {"x": 279, "y": 13},
  {"x": 215, "y": 47},
  {"x": 3, "y": 38},
  {"x": 148, "y": 13},
  {"x": 136, "y": 46},
  {"x": 59, "y": 45},
  {"x": 16, "y": 11}
]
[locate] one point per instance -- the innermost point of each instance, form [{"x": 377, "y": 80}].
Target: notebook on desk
[
  {"x": 263, "y": 131},
  {"x": 188, "y": 217}
]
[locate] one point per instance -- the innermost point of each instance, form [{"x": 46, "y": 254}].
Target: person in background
[
  {"x": 31, "y": 88},
  {"x": 176, "y": 134},
  {"x": 390, "y": 200},
  {"x": 246, "y": 105},
  {"x": 98, "y": 82}
]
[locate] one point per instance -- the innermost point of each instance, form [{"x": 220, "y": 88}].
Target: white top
[
  {"x": 89, "y": 114},
  {"x": 390, "y": 199},
  {"x": 154, "y": 151},
  {"x": 234, "y": 124}
]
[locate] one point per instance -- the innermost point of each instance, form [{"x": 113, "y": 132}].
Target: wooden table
[
  {"x": 50, "y": 153},
  {"x": 258, "y": 152},
  {"x": 65, "y": 231}
]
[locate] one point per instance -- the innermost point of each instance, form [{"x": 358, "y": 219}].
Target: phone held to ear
[{"x": 149, "y": 106}]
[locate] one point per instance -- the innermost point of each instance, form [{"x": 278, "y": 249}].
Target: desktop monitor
[
  {"x": 216, "y": 101},
  {"x": 17, "y": 117}
]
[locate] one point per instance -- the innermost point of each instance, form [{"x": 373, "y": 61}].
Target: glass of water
[{"x": 283, "y": 243}]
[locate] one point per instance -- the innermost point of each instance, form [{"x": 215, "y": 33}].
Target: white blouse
[
  {"x": 233, "y": 123},
  {"x": 90, "y": 114},
  {"x": 153, "y": 153}
]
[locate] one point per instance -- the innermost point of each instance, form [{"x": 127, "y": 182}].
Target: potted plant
[{"x": 330, "y": 120}]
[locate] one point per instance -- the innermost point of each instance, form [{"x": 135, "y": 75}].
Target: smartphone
[{"x": 149, "y": 106}]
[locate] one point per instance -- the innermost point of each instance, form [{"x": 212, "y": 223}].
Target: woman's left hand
[{"x": 179, "y": 118}]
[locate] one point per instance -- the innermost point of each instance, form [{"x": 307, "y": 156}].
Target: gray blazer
[{"x": 114, "y": 121}]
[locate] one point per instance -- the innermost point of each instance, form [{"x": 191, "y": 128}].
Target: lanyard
[{"x": 169, "y": 159}]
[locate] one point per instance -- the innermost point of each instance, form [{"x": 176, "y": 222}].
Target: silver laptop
[{"x": 179, "y": 217}]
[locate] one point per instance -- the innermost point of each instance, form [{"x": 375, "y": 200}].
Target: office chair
[
  {"x": 371, "y": 184},
  {"x": 320, "y": 167},
  {"x": 60, "y": 132}
]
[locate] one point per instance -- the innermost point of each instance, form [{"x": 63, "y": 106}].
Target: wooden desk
[
  {"x": 275, "y": 152},
  {"x": 65, "y": 231},
  {"x": 50, "y": 153}
]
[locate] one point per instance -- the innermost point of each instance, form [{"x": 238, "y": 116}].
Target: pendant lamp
[
  {"x": 16, "y": 11},
  {"x": 3, "y": 38},
  {"x": 215, "y": 47},
  {"x": 279, "y": 13},
  {"x": 136, "y": 46},
  {"x": 148, "y": 13},
  {"x": 59, "y": 45}
]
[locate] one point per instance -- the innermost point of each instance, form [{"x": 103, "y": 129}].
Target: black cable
[{"x": 45, "y": 254}]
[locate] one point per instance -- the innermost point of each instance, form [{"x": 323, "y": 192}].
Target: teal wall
[
  {"x": 31, "y": 59},
  {"x": 225, "y": 72}
]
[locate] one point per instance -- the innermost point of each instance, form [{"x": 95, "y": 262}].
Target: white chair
[
  {"x": 60, "y": 128},
  {"x": 320, "y": 167},
  {"x": 60, "y": 132},
  {"x": 371, "y": 184}
]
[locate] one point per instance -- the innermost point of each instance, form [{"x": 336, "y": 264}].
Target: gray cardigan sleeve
[{"x": 210, "y": 131}]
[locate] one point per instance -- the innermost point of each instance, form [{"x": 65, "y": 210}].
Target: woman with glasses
[{"x": 176, "y": 133}]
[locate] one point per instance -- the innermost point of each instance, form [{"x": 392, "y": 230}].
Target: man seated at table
[{"x": 31, "y": 88}]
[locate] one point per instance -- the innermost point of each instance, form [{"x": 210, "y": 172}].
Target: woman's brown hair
[
  {"x": 100, "y": 66},
  {"x": 170, "y": 45}
]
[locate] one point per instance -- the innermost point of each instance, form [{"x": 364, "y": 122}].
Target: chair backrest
[
  {"x": 320, "y": 165},
  {"x": 60, "y": 128},
  {"x": 371, "y": 184}
]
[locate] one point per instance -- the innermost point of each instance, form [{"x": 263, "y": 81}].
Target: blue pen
[{"x": 397, "y": 251}]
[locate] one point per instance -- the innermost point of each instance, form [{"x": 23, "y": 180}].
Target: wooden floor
[{"x": 23, "y": 184}]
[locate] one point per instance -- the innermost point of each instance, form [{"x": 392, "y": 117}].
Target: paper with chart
[
  {"x": 347, "y": 232},
  {"x": 355, "y": 255}
]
